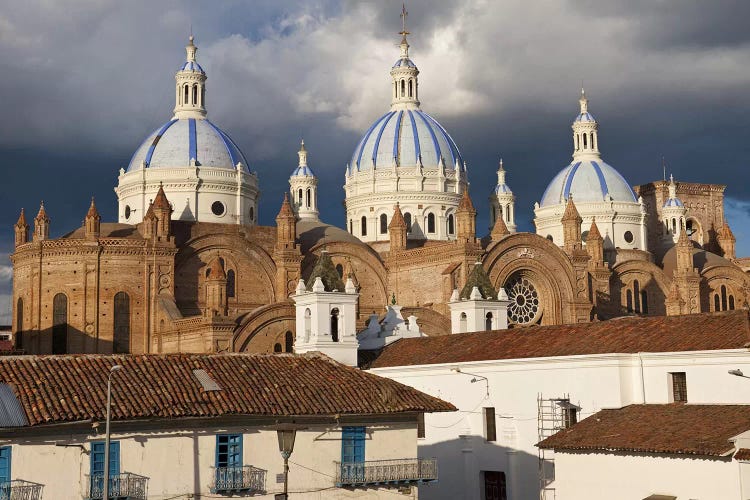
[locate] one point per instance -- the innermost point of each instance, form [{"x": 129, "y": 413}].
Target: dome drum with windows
[
  {"x": 404, "y": 157},
  {"x": 203, "y": 173}
]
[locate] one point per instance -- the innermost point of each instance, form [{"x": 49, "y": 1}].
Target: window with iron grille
[
  {"x": 490, "y": 432},
  {"x": 229, "y": 450},
  {"x": 679, "y": 387}
]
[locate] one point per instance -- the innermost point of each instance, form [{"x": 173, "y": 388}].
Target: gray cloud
[{"x": 90, "y": 79}]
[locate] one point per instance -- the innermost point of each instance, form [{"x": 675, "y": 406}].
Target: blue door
[
  {"x": 353, "y": 454},
  {"x": 97, "y": 469},
  {"x": 229, "y": 471},
  {"x": 5, "y": 472}
]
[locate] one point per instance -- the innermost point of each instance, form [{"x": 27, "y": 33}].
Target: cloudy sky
[{"x": 85, "y": 81}]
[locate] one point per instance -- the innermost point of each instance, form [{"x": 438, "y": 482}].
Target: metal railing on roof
[{"x": 399, "y": 471}]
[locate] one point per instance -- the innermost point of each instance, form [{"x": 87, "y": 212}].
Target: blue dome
[
  {"x": 303, "y": 171},
  {"x": 192, "y": 66},
  {"x": 673, "y": 202},
  {"x": 404, "y": 62},
  {"x": 588, "y": 180},
  {"x": 502, "y": 189},
  {"x": 405, "y": 136},
  {"x": 585, "y": 117},
  {"x": 178, "y": 141}
]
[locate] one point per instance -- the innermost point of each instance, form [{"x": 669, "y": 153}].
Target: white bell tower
[
  {"x": 503, "y": 202},
  {"x": 303, "y": 186},
  {"x": 673, "y": 214},
  {"x": 477, "y": 308}
]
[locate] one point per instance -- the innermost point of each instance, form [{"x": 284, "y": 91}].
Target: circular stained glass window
[
  {"x": 525, "y": 307},
  {"x": 217, "y": 208},
  {"x": 628, "y": 237}
]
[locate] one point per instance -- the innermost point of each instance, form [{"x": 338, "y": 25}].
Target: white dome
[
  {"x": 179, "y": 141},
  {"x": 588, "y": 180}
]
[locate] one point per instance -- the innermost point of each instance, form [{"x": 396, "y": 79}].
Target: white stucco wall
[
  {"x": 619, "y": 476},
  {"x": 592, "y": 382},
  {"x": 180, "y": 461}
]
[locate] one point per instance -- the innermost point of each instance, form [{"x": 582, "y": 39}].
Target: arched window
[
  {"x": 493, "y": 218},
  {"x": 59, "y": 324},
  {"x": 585, "y": 142},
  {"x": 309, "y": 197},
  {"x": 593, "y": 146},
  {"x": 230, "y": 283},
  {"x": 351, "y": 226},
  {"x": 195, "y": 94},
  {"x": 578, "y": 141},
  {"x": 299, "y": 197},
  {"x": 731, "y": 302},
  {"x": 276, "y": 347},
  {"x": 410, "y": 89},
  {"x": 251, "y": 213},
  {"x": 430, "y": 222},
  {"x": 629, "y": 300},
  {"x": 462, "y": 323},
  {"x": 121, "y": 334},
  {"x": 488, "y": 321},
  {"x": 340, "y": 270},
  {"x": 307, "y": 324},
  {"x": 717, "y": 304},
  {"x": 364, "y": 226},
  {"x": 723, "y": 298},
  {"x": 335, "y": 324},
  {"x": 451, "y": 228},
  {"x": 395, "y": 89},
  {"x": 507, "y": 213},
  {"x": 644, "y": 302},
  {"x": 403, "y": 88},
  {"x": 637, "y": 295},
  {"x": 203, "y": 96},
  {"x": 289, "y": 341},
  {"x": 187, "y": 93},
  {"x": 674, "y": 225},
  {"x": 383, "y": 223},
  {"x": 407, "y": 219},
  {"x": 19, "y": 323}
]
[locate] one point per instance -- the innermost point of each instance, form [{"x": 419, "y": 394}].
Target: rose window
[{"x": 524, "y": 305}]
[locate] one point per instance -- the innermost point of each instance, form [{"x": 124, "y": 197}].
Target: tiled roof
[
  {"x": 657, "y": 428},
  {"x": 55, "y": 389},
  {"x": 694, "y": 332},
  {"x": 742, "y": 454}
]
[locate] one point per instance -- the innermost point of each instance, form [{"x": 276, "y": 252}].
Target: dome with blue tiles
[
  {"x": 406, "y": 137},
  {"x": 585, "y": 117},
  {"x": 588, "y": 180},
  {"x": 673, "y": 200},
  {"x": 302, "y": 169},
  {"x": 192, "y": 66},
  {"x": 404, "y": 62},
  {"x": 185, "y": 142}
]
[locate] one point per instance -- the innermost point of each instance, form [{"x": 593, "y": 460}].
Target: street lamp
[
  {"x": 286, "y": 435},
  {"x": 737, "y": 373},
  {"x": 105, "y": 492}
]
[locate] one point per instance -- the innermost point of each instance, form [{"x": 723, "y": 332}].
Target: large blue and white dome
[
  {"x": 181, "y": 140},
  {"x": 408, "y": 137},
  {"x": 588, "y": 180}
]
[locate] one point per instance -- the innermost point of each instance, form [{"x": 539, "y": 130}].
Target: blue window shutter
[
  {"x": 352, "y": 444},
  {"x": 114, "y": 458},
  {"x": 97, "y": 457},
  {"x": 5, "y": 453},
  {"x": 229, "y": 450}
]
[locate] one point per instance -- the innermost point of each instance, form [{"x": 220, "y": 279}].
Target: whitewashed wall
[
  {"x": 180, "y": 461},
  {"x": 593, "y": 382}
]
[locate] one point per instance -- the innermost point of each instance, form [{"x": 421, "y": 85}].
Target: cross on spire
[{"x": 404, "y": 14}]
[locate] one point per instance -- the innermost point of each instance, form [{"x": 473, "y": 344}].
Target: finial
[
  {"x": 583, "y": 101},
  {"x": 302, "y": 145},
  {"x": 501, "y": 165},
  {"x": 671, "y": 178},
  {"x": 393, "y": 298},
  {"x": 404, "y": 14}
]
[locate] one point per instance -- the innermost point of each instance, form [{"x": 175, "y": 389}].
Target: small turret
[
  {"x": 190, "y": 90},
  {"x": 466, "y": 219},
  {"x": 303, "y": 185},
  {"x": 286, "y": 226},
  {"x": 502, "y": 202},
  {"x": 397, "y": 230},
  {"x": 41, "y": 224},
  {"x": 21, "y": 229},
  {"x": 499, "y": 229},
  {"x": 595, "y": 243},
  {"x": 673, "y": 214},
  {"x": 216, "y": 289},
  {"x": 727, "y": 241},
  {"x": 405, "y": 88},
  {"x": 92, "y": 222},
  {"x": 684, "y": 254},
  {"x": 149, "y": 223},
  {"x": 571, "y": 222},
  {"x": 163, "y": 212},
  {"x": 478, "y": 307},
  {"x": 585, "y": 132}
]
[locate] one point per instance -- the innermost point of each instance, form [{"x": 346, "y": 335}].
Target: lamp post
[
  {"x": 105, "y": 487},
  {"x": 738, "y": 373},
  {"x": 286, "y": 435}
]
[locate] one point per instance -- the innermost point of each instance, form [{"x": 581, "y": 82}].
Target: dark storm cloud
[{"x": 85, "y": 81}]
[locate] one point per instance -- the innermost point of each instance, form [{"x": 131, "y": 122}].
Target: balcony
[
  {"x": 241, "y": 479},
  {"x": 124, "y": 486},
  {"x": 386, "y": 472},
  {"x": 20, "y": 490}
]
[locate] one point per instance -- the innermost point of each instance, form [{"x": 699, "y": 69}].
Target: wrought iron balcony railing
[
  {"x": 401, "y": 471},
  {"x": 233, "y": 479},
  {"x": 123, "y": 486},
  {"x": 20, "y": 490}
]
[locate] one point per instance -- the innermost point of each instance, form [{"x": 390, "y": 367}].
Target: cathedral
[{"x": 187, "y": 267}]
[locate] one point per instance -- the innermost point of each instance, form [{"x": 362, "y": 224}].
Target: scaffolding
[{"x": 553, "y": 415}]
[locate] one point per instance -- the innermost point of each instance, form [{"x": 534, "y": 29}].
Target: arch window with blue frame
[
  {"x": 229, "y": 469},
  {"x": 352, "y": 454},
  {"x": 97, "y": 469}
]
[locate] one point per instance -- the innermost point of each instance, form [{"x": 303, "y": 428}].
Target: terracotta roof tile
[
  {"x": 742, "y": 454},
  {"x": 694, "y": 332},
  {"x": 55, "y": 389},
  {"x": 657, "y": 428}
]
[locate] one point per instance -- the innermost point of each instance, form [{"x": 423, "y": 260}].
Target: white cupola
[
  {"x": 404, "y": 75},
  {"x": 190, "y": 86},
  {"x": 326, "y": 314},
  {"x": 478, "y": 307},
  {"x": 673, "y": 214},
  {"x": 502, "y": 202},
  {"x": 585, "y": 139},
  {"x": 303, "y": 186}
]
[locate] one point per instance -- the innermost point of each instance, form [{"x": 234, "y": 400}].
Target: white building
[
  {"x": 655, "y": 452},
  {"x": 515, "y": 387},
  {"x": 190, "y": 426}
]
